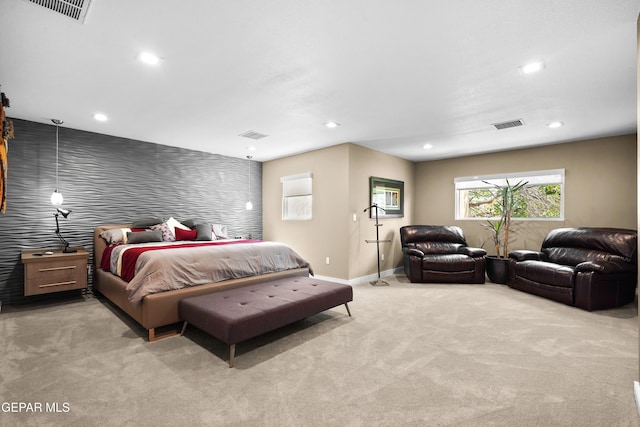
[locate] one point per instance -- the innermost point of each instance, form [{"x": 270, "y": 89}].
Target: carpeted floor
[{"x": 411, "y": 355}]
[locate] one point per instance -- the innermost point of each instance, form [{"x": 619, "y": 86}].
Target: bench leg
[
  {"x": 184, "y": 327},
  {"x": 347, "y": 307},
  {"x": 232, "y": 353}
]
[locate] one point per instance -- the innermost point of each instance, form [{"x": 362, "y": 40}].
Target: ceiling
[{"x": 394, "y": 75}]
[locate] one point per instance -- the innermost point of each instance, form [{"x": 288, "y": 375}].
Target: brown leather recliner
[
  {"x": 439, "y": 254},
  {"x": 589, "y": 268}
]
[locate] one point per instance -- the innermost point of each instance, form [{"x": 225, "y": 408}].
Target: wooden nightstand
[{"x": 45, "y": 273}]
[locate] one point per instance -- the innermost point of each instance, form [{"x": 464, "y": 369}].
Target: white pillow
[
  {"x": 173, "y": 223},
  {"x": 221, "y": 231}
]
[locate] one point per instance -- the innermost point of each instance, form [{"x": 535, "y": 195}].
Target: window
[
  {"x": 542, "y": 198},
  {"x": 297, "y": 196}
]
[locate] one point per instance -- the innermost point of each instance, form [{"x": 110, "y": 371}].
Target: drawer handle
[
  {"x": 57, "y": 284},
  {"x": 67, "y": 267}
]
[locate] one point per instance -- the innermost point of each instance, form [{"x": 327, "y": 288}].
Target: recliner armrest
[
  {"x": 413, "y": 251},
  {"x": 472, "y": 252},
  {"x": 524, "y": 255},
  {"x": 606, "y": 267}
]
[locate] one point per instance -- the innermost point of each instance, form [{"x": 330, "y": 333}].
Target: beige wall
[
  {"x": 363, "y": 164},
  {"x": 324, "y": 235},
  {"x": 340, "y": 190},
  {"x": 600, "y": 187}
]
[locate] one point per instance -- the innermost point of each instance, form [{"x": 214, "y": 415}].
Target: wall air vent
[
  {"x": 509, "y": 124},
  {"x": 253, "y": 134},
  {"x": 74, "y": 9}
]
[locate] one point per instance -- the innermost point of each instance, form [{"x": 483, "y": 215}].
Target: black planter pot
[{"x": 497, "y": 269}]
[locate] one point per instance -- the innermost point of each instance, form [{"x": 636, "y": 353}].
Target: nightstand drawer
[
  {"x": 54, "y": 273},
  {"x": 55, "y": 276}
]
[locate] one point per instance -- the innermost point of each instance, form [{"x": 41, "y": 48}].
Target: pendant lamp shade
[{"x": 56, "y": 198}]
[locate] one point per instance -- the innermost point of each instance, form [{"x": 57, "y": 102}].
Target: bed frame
[{"x": 161, "y": 309}]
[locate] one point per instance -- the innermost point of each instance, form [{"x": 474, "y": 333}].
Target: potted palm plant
[{"x": 504, "y": 205}]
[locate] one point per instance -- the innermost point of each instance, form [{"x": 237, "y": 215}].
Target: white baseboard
[
  {"x": 363, "y": 279},
  {"x": 331, "y": 279},
  {"x": 636, "y": 392}
]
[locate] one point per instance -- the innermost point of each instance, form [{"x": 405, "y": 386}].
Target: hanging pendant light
[
  {"x": 249, "y": 205},
  {"x": 56, "y": 196}
]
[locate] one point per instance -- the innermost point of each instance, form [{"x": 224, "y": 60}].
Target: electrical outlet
[
  {"x": 382, "y": 256},
  {"x": 327, "y": 260}
]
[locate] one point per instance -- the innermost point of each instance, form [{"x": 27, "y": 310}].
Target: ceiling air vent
[
  {"x": 509, "y": 124},
  {"x": 74, "y": 9},
  {"x": 253, "y": 134}
]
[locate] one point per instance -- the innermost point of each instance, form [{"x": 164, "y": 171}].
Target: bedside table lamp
[{"x": 65, "y": 213}]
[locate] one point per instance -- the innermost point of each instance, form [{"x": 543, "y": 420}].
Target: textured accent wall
[{"x": 111, "y": 180}]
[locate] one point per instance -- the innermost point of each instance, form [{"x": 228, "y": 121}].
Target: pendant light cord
[
  {"x": 57, "y": 127},
  {"x": 249, "y": 205},
  {"x": 56, "y": 197},
  {"x": 249, "y": 158},
  {"x": 57, "y": 122}
]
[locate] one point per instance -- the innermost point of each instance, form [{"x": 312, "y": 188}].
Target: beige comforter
[{"x": 176, "y": 268}]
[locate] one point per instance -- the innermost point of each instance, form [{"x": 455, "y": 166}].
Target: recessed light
[
  {"x": 555, "y": 125},
  {"x": 251, "y": 148},
  {"x": 427, "y": 146},
  {"x": 149, "y": 58},
  {"x": 532, "y": 67},
  {"x": 100, "y": 117},
  {"x": 332, "y": 124}
]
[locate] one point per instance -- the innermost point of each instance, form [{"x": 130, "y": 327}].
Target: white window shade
[
  {"x": 297, "y": 197},
  {"x": 546, "y": 177},
  {"x": 296, "y": 187}
]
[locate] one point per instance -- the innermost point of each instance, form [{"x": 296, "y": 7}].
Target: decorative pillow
[
  {"x": 204, "y": 232},
  {"x": 144, "y": 236},
  {"x": 173, "y": 224},
  {"x": 167, "y": 234},
  {"x": 191, "y": 223},
  {"x": 221, "y": 231},
  {"x": 114, "y": 236},
  {"x": 146, "y": 222},
  {"x": 185, "y": 234},
  {"x": 168, "y": 229}
]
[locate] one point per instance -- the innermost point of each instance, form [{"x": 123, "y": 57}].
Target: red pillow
[{"x": 186, "y": 234}]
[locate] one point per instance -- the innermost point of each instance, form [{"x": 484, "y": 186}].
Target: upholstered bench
[{"x": 242, "y": 313}]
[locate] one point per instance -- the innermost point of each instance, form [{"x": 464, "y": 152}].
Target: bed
[{"x": 160, "y": 307}]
